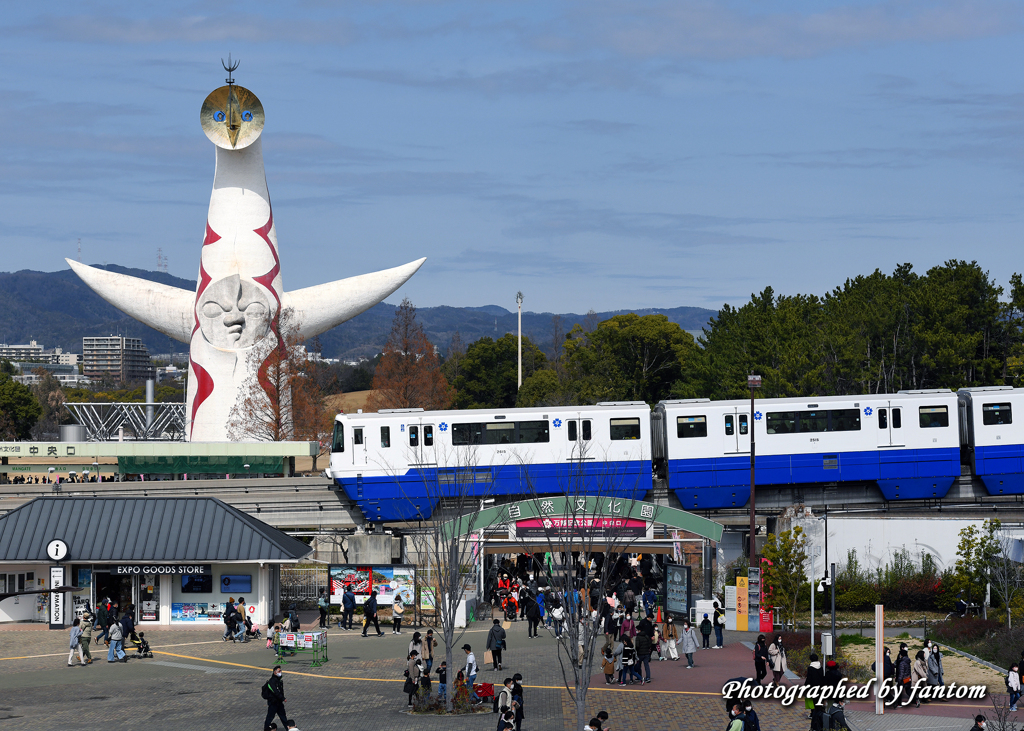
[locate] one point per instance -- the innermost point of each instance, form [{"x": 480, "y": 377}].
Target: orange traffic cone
[{"x": 658, "y": 620}]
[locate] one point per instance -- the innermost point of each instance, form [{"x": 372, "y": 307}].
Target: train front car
[
  {"x": 994, "y": 445},
  {"x": 906, "y": 443},
  {"x": 397, "y": 464}
]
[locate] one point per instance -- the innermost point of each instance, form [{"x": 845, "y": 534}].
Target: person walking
[
  {"x": 397, "y": 610},
  {"x": 689, "y": 642},
  {"x": 86, "y": 638},
  {"x": 532, "y": 617},
  {"x": 116, "y": 651},
  {"x": 76, "y": 643},
  {"x": 705, "y": 632},
  {"x": 919, "y": 671},
  {"x": 815, "y": 678},
  {"x": 1013, "y": 685},
  {"x": 429, "y": 643},
  {"x": 370, "y": 614},
  {"x": 935, "y": 674},
  {"x": 979, "y": 723},
  {"x": 322, "y": 605},
  {"x": 101, "y": 622},
  {"x": 671, "y": 635},
  {"x": 470, "y": 671},
  {"x": 904, "y": 671},
  {"x": 506, "y": 703},
  {"x": 628, "y": 628},
  {"x": 273, "y": 692},
  {"x": 518, "y": 696},
  {"x": 777, "y": 659},
  {"x": 760, "y": 658},
  {"x": 643, "y": 654},
  {"x": 229, "y": 619},
  {"x": 348, "y": 607},
  {"x": 413, "y": 671},
  {"x": 496, "y": 643},
  {"x": 719, "y": 624},
  {"x": 416, "y": 643}
]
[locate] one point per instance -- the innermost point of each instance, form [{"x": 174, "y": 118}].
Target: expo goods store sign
[{"x": 196, "y": 569}]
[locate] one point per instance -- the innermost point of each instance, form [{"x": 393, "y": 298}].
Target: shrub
[
  {"x": 966, "y": 631},
  {"x": 916, "y": 593},
  {"x": 862, "y": 596}
]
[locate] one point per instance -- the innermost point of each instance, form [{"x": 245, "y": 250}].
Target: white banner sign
[{"x": 57, "y": 598}]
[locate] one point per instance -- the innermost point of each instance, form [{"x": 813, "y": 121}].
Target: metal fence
[{"x": 301, "y": 586}]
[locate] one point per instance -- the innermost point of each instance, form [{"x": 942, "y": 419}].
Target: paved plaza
[{"x": 197, "y": 680}]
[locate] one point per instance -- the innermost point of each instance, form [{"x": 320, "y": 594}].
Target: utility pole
[
  {"x": 752, "y": 383},
  {"x": 519, "y": 304}
]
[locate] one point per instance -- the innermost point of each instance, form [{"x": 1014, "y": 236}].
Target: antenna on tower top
[
  {"x": 79, "y": 251},
  {"x": 229, "y": 67}
]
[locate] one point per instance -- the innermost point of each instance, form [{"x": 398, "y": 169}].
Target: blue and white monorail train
[
  {"x": 995, "y": 445},
  {"x": 397, "y": 464},
  {"x": 906, "y": 442}
]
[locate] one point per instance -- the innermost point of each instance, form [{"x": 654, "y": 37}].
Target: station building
[{"x": 176, "y": 560}]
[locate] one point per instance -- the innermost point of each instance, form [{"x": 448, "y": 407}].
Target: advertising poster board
[
  {"x": 385, "y": 580},
  {"x": 677, "y": 590},
  {"x": 196, "y": 612},
  {"x": 428, "y": 601}
]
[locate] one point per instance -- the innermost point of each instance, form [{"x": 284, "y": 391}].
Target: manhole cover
[
  {"x": 98, "y": 698},
  {"x": 350, "y": 658},
  {"x": 243, "y": 682}
]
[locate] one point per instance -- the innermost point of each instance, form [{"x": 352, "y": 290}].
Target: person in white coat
[{"x": 688, "y": 640}]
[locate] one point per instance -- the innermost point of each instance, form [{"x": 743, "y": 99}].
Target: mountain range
[{"x": 58, "y": 309}]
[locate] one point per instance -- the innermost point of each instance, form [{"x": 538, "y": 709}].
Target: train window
[
  {"x": 691, "y": 426},
  {"x": 743, "y": 423},
  {"x": 883, "y": 418},
  {"x": 428, "y": 436},
  {"x": 532, "y": 432},
  {"x": 572, "y": 431},
  {"x": 729, "y": 428},
  {"x": 586, "y": 430},
  {"x": 466, "y": 434},
  {"x": 385, "y": 437},
  {"x": 414, "y": 436},
  {"x": 357, "y": 435},
  {"x": 994, "y": 414},
  {"x": 897, "y": 418},
  {"x": 781, "y": 422},
  {"x": 813, "y": 421},
  {"x": 934, "y": 416},
  {"x": 625, "y": 429},
  {"x": 500, "y": 433},
  {"x": 844, "y": 420},
  {"x": 338, "y": 443}
]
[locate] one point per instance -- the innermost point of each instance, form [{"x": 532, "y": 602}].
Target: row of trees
[{"x": 950, "y": 327}]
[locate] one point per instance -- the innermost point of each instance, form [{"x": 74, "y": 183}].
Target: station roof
[
  {"x": 142, "y": 529},
  {"x": 158, "y": 449}
]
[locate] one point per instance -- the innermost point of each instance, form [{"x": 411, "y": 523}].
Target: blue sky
[{"x": 597, "y": 154}]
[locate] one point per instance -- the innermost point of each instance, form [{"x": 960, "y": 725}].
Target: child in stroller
[
  {"x": 252, "y": 631},
  {"x": 141, "y": 646}
]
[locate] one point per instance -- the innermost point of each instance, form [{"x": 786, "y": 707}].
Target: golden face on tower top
[{"x": 232, "y": 117}]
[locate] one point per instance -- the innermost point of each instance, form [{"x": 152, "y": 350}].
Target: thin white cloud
[{"x": 707, "y": 30}]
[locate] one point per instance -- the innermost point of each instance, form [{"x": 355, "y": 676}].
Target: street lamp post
[
  {"x": 752, "y": 383},
  {"x": 519, "y": 304}
]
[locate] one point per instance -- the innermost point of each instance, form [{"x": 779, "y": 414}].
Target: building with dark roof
[{"x": 175, "y": 560}]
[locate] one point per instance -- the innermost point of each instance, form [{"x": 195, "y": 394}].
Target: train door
[
  {"x": 890, "y": 425},
  {"x": 737, "y": 432},
  {"x": 421, "y": 444},
  {"x": 358, "y": 450}
]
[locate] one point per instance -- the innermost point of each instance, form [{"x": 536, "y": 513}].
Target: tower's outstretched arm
[
  {"x": 162, "y": 307},
  {"x": 317, "y": 309}
]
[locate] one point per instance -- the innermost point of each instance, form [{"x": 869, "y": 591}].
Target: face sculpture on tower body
[{"x": 233, "y": 313}]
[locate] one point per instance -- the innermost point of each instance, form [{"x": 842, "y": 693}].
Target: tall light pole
[
  {"x": 519, "y": 303},
  {"x": 752, "y": 383}
]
